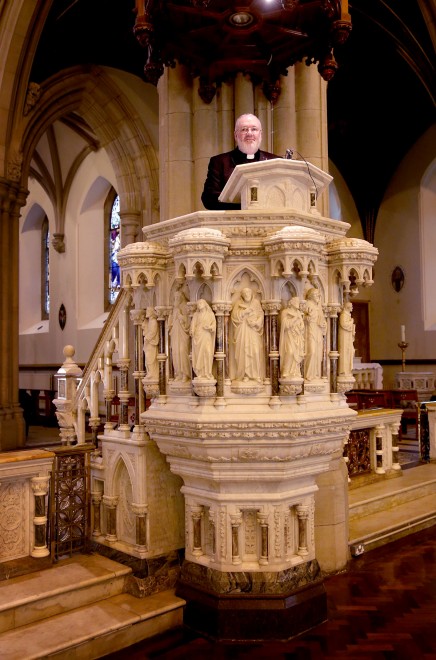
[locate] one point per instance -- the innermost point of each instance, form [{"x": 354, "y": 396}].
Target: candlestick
[{"x": 403, "y": 345}]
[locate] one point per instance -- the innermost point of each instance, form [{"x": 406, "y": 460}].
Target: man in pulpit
[{"x": 248, "y": 137}]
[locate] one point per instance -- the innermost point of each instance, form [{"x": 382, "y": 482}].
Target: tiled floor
[{"x": 384, "y": 607}]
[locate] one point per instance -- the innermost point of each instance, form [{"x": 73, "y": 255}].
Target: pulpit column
[
  {"x": 271, "y": 313},
  {"x": 162, "y": 357},
  {"x": 236, "y": 521},
  {"x": 303, "y": 518},
  {"x": 110, "y": 504},
  {"x": 333, "y": 353},
  {"x": 220, "y": 355},
  {"x": 196, "y": 515},
  {"x": 262, "y": 519},
  {"x": 96, "y": 499}
]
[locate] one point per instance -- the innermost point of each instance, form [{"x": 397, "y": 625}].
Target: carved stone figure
[
  {"x": 178, "y": 324},
  {"x": 203, "y": 332},
  {"x": 247, "y": 323},
  {"x": 347, "y": 332},
  {"x": 150, "y": 329},
  {"x": 291, "y": 345},
  {"x": 316, "y": 328}
]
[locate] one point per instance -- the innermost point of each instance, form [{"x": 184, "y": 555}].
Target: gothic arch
[{"x": 111, "y": 123}]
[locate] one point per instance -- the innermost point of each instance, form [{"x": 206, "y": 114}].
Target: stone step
[
  {"x": 388, "y": 510},
  {"x": 384, "y": 495},
  {"x": 71, "y": 583},
  {"x": 94, "y": 630}
]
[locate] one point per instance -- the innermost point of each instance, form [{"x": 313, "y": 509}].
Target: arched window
[
  {"x": 45, "y": 270},
  {"x": 114, "y": 245}
]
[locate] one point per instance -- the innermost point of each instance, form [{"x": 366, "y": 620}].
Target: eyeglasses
[{"x": 251, "y": 129}]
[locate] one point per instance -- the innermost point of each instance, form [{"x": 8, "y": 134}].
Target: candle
[{"x": 403, "y": 334}]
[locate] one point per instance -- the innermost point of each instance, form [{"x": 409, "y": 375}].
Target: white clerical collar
[{"x": 250, "y": 156}]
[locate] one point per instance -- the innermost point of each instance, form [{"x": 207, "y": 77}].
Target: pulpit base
[{"x": 252, "y": 617}]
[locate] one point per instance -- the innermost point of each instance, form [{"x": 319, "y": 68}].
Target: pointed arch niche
[
  {"x": 33, "y": 313},
  {"x": 427, "y": 221}
]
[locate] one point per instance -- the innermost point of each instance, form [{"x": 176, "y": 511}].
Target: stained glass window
[
  {"x": 114, "y": 247},
  {"x": 45, "y": 270}
]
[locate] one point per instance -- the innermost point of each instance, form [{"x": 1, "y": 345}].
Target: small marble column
[
  {"x": 227, "y": 310},
  {"x": 236, "y": 521},
  {"x": 196, "y": 514},
  {"x": 262, "y": 519},
  {"x": 219, "y": 310},
  {"x": 40, "y": 487},
  {"x": 96, "y": 499},
  {"x": 333, "y": 353},
  {"x": 162, "y": 357},
  {"x": 140, "y": 511},
  {"x": 303, "y": 518},
  {"x": 272, "y": 310},
  {"x": 110, "y": 504},
  {"x": 212, "y": 523},
  {"x": 394, "y": 428},
  {"x": 379, "y": 436}
]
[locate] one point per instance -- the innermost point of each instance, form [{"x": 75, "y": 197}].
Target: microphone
[{"x": 289, "y": 154}]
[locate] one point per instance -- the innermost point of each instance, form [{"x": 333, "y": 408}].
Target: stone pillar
[
  {"x": 284, "y": 116},
  {"x": 96, "y": 498},
  {"x": 12, "y": 426},
  {"x": 177, "y": 194},
  {"x": 110, "y": 504},
  {"x": 331, "y": 522},
  {"x": 311, "y": 121},
  {"x": 40, "y": 487},
  {"x": 204, "y": 137},
  {"x": 130, "y": 226},
  {"x": 244, "y": 95}
]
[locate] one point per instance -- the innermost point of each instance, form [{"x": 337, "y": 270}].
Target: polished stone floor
[{"x": 383, "y": 607}]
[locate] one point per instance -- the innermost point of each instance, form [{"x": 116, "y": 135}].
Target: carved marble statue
[
  {"x": 347, "y": 332},
  {"x": 178, "y": 324},
  {"x": 291, "y": 345},
  {"x": 247, "y": 323},
  {"x": 316, "y": 328},
  {"x": 150, "y": 329},
  {"x": 203, "y": 332}
]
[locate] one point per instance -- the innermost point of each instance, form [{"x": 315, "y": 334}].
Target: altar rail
[{"x": 372, "y": 447}]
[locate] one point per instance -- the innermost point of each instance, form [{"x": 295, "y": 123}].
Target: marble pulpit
[{"x": 259, "y": 447}]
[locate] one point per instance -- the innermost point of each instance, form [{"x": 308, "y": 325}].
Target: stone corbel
[{"x": 58, "y": 242}]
